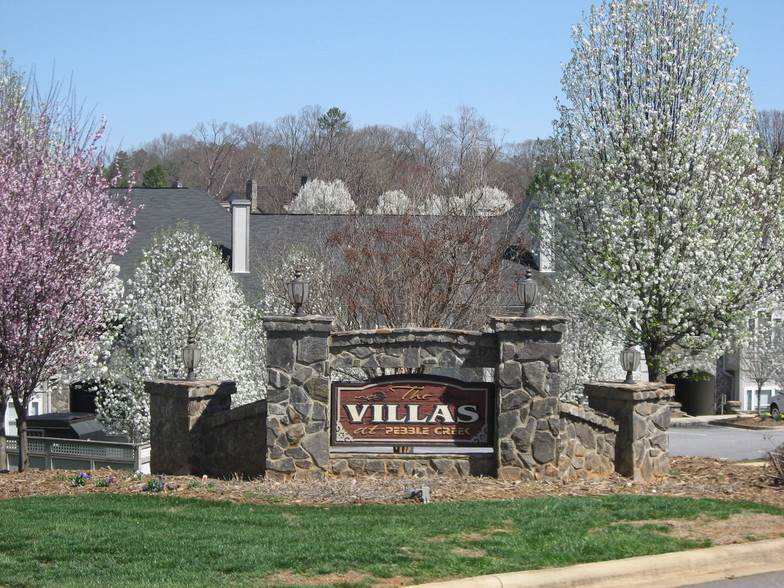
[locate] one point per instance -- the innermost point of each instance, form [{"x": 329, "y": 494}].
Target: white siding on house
[{"x": 38, "y": 405}]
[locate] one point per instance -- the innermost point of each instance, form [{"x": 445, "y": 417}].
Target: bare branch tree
[
  {"x": 761, "y": 357},
  {"x": 212, "y": 154},
  {"x": 401, "y": 271}
]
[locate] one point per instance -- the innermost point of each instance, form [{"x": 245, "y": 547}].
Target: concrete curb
[
  {"x": 661, "y": 571},
  {"x": 687, "y": 422},
  {"x": 736, "y": 426}
]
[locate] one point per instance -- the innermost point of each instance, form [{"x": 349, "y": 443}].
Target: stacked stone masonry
[
  {"x": 529, "y": 350},
  {"x": 642, "y": 413},
  {"x": 406, "y": 465},
  {"x": 233, "y": 443},
  {"x": 298, "y": 397},
  {"x": 194, "y": 431},
  {"x": 586, "y": 447},
  {"x": 412, "y": 349},
  {"x": 538, "y": 437}
]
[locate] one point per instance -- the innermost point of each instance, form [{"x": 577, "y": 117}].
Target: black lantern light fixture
[
  {"x": 298, "y": 290},
  {"x": 630, "y": 361},
  {"x": 527, "y": 291},
  {"x": 191, "y": 357}
]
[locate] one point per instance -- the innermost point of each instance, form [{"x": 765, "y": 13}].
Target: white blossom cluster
[
  {"x": 484, "y": 201},
  {"x": 94, "y": 365},
  {"x": 663, "y": 205},
  {"x": 181, "y": 288},
  {"x": 315, "y": 268},
  {"x": 321, "y": 197},
  {"x": 591, "y": 346},
  {"x": 392, "y": 202}
]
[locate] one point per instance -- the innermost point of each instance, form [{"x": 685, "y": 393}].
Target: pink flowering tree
[{"x": 59, "y": 230}]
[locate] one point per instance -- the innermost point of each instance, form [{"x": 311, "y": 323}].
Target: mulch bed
[
  {"x": 699, "y": 477},
  {"x": 756, "y": 422}
]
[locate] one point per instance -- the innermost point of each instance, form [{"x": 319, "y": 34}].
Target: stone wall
[
  {"x": 421, "y": 465},
  {"x": 176, "y": 407},
  {"x": 642, "y": 413},
  {"x": 524, "y": 352},
  {"x": 537, "y": 436},
  {"x": 412, "y": 348},
  {"x": 233, "y": 444},
  {"x": 194, "y": 431},
  {"x": 586, "y": 447},
  {"x": 298, "y": 396},
  {"x": 529, "y": 350}
]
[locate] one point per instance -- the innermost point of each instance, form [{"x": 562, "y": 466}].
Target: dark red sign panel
[{"x": 413, "y": 410}]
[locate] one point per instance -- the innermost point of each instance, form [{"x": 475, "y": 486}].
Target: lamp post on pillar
[
  {"x": 527, "y": 292},
  {"x": 630, "y": 361},
  {"x": 298, "y": 290},
  {"x": 191, "y": 357},
  {"x": 630, "y": 355}
]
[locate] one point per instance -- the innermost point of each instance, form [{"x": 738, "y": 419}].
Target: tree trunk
[
  {"x": 653, "y": 359},
  {"x": 21, "y": 425},
  {"x": 759, "y": 399}
]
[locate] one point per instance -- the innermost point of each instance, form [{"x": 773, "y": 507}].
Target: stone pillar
[
  {"x": 528, "y": 404},
  {"x": 642, "y": 413},
  {"x": 176, "y": 407},
  {"x": 298, "y": 396}
]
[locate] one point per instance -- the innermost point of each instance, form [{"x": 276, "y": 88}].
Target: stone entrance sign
[
  {"x": 413, "y": 410},
  {"x": 515, "y": 427}
]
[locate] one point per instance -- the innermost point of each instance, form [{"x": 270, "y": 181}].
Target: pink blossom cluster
[{"x": 60, "y": 227}]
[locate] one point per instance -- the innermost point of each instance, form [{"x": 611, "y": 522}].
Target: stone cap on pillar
[
  {"x": 500, "y": 324},
  {"x": 308, "y": 323},
  {"x": 182, "y": 388},
  {"x": 638, "y": 391}
]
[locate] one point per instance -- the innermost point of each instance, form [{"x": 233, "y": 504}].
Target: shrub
[{"x": 776, "y": 461}]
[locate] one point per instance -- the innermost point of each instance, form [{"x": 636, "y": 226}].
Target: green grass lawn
[{"x": 130, "y": 540}]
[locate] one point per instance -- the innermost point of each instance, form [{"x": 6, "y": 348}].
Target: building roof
[
  {"x": 270, "y": 234},
  {"x": 165, "y": 207},
  {"x": 276, "y": 232}
]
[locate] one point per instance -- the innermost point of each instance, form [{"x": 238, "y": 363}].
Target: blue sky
[{"x": 155, "y": 67}]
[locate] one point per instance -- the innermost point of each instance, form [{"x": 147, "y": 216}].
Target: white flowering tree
[
  {"x": 181, "y": 288},
  {"x": 321, "y": 197},
  {"x": 484, "y": 201},
  {"x": 392, "y": 202},
  {"x": 433, "y": 205},
  {"x": 663, "y": 205},
  {"x": 591, "y": 345}
]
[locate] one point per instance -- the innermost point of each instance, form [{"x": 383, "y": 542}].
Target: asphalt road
[
  {"x": 770, "y": 580},
  {"x": 728, "y": 442},
  {"x": 734, "y": 444}
]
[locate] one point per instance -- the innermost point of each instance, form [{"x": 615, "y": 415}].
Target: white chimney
[{"x": 240, "y": 236}]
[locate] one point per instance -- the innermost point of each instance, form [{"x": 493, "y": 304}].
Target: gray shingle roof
[
  {"x": 270, "y": 234},
  {"x": 164, "y": 208},
  {"x": 276, "y": 232}
]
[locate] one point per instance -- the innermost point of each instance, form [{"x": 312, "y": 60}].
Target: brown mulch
[
  {"x": 755, "y": 421},
  {"x": 699, "y": 477}
]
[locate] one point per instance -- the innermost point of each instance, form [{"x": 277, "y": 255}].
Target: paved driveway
[{"x": 729, "y": 442}]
